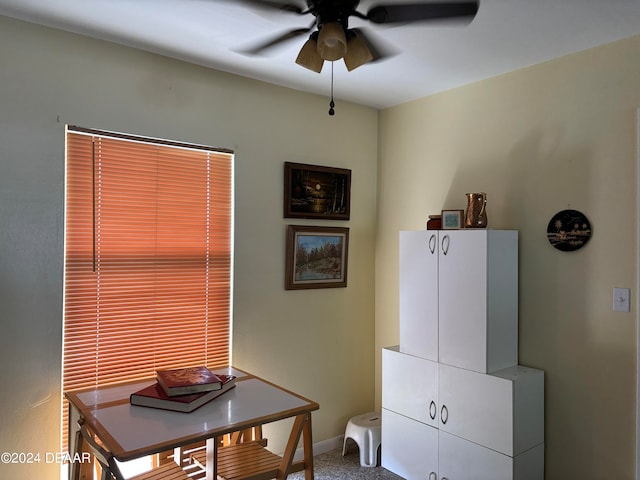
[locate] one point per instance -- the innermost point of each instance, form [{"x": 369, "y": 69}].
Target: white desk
[{"x": 131, "y": 432}]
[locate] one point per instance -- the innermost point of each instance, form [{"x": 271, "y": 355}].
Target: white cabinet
[
  {"x": 487, "y": 425},
  {"x": 459, "y": 297},
  {"x": 409, "y": 448},
  {"x": 460, "y": 459},
  {"x": 419, "y": 452},
  {"x": 455, "y": 403},
  {"x": 503, "y": 411},
  {"x": 419, "y": 293},
  {"x": 410, "y": 386},
  {"x": 478, "y": 299}
]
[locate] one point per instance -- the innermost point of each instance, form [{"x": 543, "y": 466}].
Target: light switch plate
[{"x": 621, "y": 300}]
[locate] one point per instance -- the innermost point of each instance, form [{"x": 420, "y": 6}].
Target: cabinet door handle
[
  {"x": 433, "y": 476},
  {"x": 445, "y": 244},
  {"x": 444, "y": 414},
  {"x": 432, "y": 243},
  {"x": 433, "y": 410}
]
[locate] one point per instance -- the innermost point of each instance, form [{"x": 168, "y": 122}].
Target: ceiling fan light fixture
[
  {"x": 332, "y": 42},
  {"x": 358, "y": 53},
  {"x": 309, "y": 57}
]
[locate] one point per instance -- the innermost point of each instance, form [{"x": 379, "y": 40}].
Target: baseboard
[{"x": 321, "y": 447}]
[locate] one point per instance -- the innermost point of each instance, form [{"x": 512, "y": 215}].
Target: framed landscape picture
[
  {"x": 316, "y": 257},
  {"x": 314, "y": 191}
]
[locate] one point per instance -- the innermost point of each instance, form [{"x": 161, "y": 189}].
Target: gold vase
[{"x": 476, "y": 213}]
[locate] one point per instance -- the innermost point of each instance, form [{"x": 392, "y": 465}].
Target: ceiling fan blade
[
  {"x": 417, "y": 12},
  {"x": 262, "y": 47},
  {"x": 274, "y": 5},
  {"x": 378, "y": 51}
]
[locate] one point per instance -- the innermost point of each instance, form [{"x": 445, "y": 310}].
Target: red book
[
  {"x": 155, "y": 397},
  {"x": 182, "y": 381}
]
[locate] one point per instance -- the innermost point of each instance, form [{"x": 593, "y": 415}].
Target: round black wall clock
[{"x": 568, "y": 230}]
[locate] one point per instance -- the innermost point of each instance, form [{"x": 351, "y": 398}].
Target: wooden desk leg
[
  {"x": 74, "y": 439},
  {"x": 302, "y": 424},
  {"x": 307, "y": 445},
  {"x": 211, "y": 459},
  {"x": 78, "y": 470},
  {"x": 74, "y": 467}
]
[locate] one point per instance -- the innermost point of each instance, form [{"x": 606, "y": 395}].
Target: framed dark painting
[
  {"x": 316, "y": 257},
  {"x": 315, "y": 191}
]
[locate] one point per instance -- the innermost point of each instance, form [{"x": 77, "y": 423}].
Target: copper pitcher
[{"x": 476, "y": 213}]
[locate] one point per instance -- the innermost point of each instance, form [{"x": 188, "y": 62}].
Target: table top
[{"x": 130, "y": 431}]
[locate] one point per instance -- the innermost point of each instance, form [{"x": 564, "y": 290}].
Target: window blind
[{"x": 148, "y": 251}]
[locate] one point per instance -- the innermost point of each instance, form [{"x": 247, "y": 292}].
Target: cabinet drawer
[
  {"x": 410, "y": 386},
  {"x": 419, "y": 293},
  {"x": 416, "y": 451},
  {"x": 463, "y": 460},
  {"x": 409, "y": 448},
  {"x": 503, "y": 411},
  {"x": 478, "y": 299}
]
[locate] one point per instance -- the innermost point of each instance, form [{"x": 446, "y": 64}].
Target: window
[{"x": 148, "y": 255}]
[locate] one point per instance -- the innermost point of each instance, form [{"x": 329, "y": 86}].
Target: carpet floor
[{"x": 332, "y": 465}]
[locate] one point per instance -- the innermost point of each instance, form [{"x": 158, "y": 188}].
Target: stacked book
[{"x": 183, "y": 389}]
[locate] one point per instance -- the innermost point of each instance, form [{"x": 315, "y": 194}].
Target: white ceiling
[{"x": 505, "y": 35}]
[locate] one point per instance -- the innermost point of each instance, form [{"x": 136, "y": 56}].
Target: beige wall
[
  {"x": 558, "y": 135},
  {"x": 319, "y": 343}
]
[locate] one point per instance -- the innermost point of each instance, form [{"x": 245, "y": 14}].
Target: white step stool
[{"x": 365, "y": 430}]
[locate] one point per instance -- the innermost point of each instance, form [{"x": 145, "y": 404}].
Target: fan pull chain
[{"x": 332, "y": 103}]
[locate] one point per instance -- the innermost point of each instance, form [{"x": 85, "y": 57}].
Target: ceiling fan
[{"x": 331, "y": 38}]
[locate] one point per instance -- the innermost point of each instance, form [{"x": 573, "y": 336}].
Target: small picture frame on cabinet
[{"x": 452, "y": 219}]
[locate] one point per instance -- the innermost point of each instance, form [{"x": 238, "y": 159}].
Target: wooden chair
[
  {"x": 243, "y": 461},
  {"x": 110, "y": 470},
  {"x": 243, "y": 456}
]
